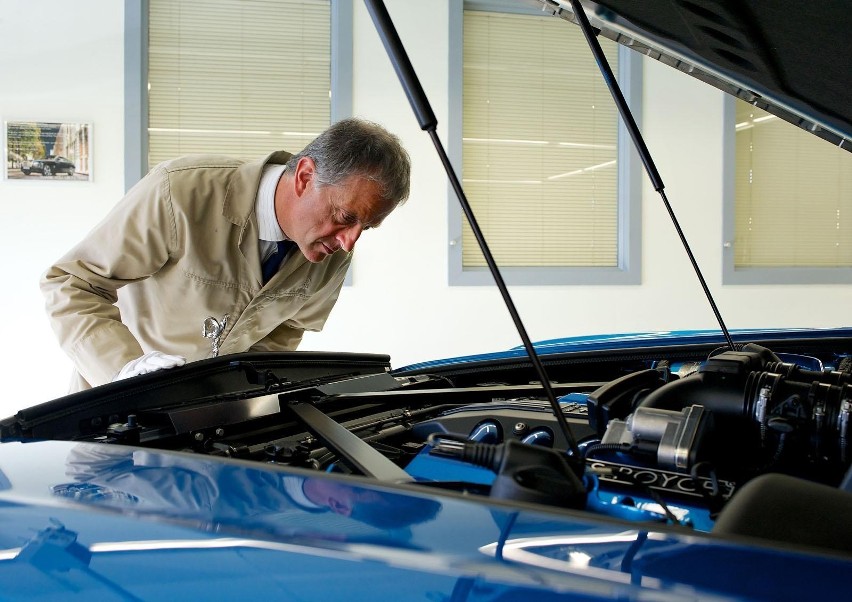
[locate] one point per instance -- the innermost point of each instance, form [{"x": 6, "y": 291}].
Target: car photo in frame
[{"x": 43, "y": 150}]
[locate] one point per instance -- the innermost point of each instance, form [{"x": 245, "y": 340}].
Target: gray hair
[{"x": 356, "y": 147}]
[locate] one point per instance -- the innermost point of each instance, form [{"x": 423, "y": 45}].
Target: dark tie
[{"x": 271, "y": 265}]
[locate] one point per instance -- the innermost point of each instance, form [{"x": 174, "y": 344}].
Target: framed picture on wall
[{"x": 45, "y": 150}]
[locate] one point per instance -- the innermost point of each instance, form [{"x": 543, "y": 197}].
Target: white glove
[{"x": 150, "y": 362}]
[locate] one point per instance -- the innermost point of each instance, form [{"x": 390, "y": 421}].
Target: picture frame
[{"x": 42, "y": 151}]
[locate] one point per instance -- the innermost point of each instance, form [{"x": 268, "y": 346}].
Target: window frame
[
  {"x": 136, "y": 77},
  {"x": 629, "y": 202},
  {"x": 732, "y": 275}
]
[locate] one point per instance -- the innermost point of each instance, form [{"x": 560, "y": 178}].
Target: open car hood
[{"x": 766, "y": 53}]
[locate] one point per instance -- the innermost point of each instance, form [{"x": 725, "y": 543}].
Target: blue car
[{"x": 684, "y": 465}]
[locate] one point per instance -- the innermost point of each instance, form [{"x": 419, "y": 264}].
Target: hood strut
[
  {"x": 639, "y": 143},
  {"x": 429, "y": 123}
]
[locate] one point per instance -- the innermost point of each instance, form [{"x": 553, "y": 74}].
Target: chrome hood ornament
[{"x": 213, "y": 329}]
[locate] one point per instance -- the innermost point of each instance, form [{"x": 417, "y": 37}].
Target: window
[
  {"x": 548, "y": 181},
  {"x": 791, "y": 220},
  {"x": 237, "y": 77}
]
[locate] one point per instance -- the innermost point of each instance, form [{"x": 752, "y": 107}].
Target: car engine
[{"x": 667, "y": 435}]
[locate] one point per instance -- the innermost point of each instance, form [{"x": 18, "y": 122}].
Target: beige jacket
[{"x": 181, "y": 246}]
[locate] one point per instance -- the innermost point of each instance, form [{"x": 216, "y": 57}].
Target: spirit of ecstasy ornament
[{"x": 213, "y": 330}]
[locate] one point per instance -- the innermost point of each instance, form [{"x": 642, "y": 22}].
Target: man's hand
[{"x": 150, "y": 362}]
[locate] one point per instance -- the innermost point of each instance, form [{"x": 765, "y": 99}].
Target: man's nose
[{"x": 349, "y": 236}]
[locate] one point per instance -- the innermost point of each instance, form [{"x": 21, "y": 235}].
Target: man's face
[{"x": 322, "y": 219}]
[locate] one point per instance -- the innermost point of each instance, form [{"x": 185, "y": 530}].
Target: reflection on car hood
[
  {"x": 72, "y": 532},
  {"x": 774, "y": 55}
]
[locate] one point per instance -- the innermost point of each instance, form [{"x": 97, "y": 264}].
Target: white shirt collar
[{"x": 267, "y": 223}]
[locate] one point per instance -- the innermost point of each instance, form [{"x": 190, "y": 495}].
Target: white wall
[
  {"x": 400, "y": 302},
  {"x": 59, "y": 61}
]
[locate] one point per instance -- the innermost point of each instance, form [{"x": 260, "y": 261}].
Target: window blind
[
  {"x": 539, "y": 144},
  {"x": 793, "y": 195},
  {"x": 237, "y": 77}
]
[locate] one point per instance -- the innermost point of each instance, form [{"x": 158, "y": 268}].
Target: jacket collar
[{"x": 242, "y": 190}]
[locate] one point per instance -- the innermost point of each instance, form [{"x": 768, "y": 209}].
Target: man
[{"x": 182, "y": 254}]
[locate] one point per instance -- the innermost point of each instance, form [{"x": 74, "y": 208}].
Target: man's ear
[{"x": 305, "y": 172}]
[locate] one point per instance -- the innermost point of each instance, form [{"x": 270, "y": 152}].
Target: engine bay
[{"x": 667, "y": 436}]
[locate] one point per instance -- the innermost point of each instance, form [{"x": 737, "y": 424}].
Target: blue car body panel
[
  {"x": 644, "y": 340},
  {"x": 117, "y": 545}
]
